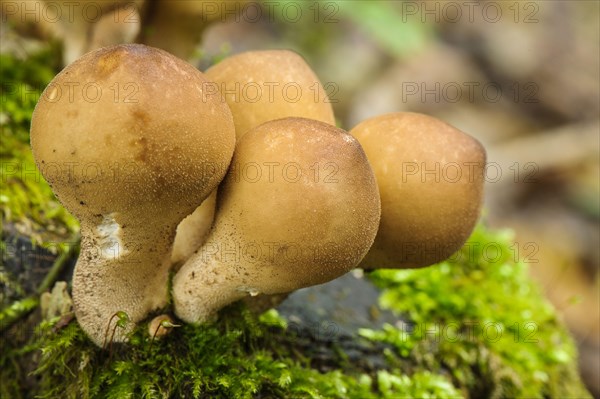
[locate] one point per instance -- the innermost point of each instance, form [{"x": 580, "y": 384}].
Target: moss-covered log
[{"x": 473, "y": 326}]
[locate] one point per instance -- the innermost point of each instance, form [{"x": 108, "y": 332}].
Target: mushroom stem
[
  {"x": 221, "y": 286},
  {"x": 134, "y": 277},
  {"x": 178, "y": 26}
]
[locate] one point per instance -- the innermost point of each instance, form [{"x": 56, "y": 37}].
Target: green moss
[
  {"x": 229, "y": 359},
  {"x": 469, "y": 336},
  {"x": 481, "y": 319},
  {"x": 26, "y": 198},
  {"x": 239, "y": 357}
]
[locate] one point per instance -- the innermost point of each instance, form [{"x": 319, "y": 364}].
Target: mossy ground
[
  {"x": 26, "y": 199},
  {"x": 478, "y": 326}
]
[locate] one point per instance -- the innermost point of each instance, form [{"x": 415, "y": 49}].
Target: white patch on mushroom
[
  {"x": 348, "y": 138},
  {"x": 53, "y": 94},
  {"x": 175, "y": 67},
  {"x": 250, "y": 290},
  {"x": 109, "y": 238}
]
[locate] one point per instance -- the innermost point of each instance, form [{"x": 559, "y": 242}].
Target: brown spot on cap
[{"x": 108, "y": 62}]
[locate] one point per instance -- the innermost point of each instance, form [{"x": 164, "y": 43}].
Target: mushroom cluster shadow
[{"x": 237, "y": 196}]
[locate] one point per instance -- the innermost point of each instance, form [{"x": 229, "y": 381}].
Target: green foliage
[
  {"x": 390, "y": 27},
  {"x": 479, "y": 317},
  {"x": 16, "y": 309},
  {"x": 313, "y": 27},
  {"x": 22, "y": 83},
  {"x": 423, "y": 385},
  {"x": 25, "y": 196}
]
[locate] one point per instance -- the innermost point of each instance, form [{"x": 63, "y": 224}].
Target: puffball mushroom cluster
[{"x": 346, "y": 203}]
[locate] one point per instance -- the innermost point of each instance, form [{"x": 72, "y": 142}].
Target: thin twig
[
  {"x": 59, "y": 264},
  {"x": 21, "y": 308}
]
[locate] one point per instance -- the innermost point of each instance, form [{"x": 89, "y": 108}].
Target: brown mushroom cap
[
  {"x": 298, "y": 207},
  {"x": 430, "y": 178},
  {"x": 126, "y": 137},
  {"x": 262, "y": 86},
  {"x": 159, "y": 326}
]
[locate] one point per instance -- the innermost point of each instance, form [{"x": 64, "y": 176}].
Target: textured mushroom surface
[
  {"x": 259, "y": 86},
  {"x": 430, "y": 177},
  {"x": 128, "y": 139},
  {"x": 298, "y": 207},
  {"x": 262, "y": 86},
  {"x": 192, "y": 230}
]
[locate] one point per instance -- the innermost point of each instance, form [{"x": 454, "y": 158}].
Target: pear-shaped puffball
[
  {"x": 430, "y": 178},
  {"x": 298, "y": 207},
  {"x": 127, "y": 138}
]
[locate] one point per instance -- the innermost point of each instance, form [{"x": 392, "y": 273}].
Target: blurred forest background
[{"x": 522, "y": 77}]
